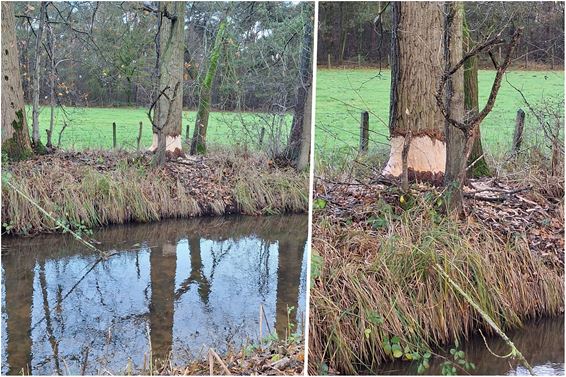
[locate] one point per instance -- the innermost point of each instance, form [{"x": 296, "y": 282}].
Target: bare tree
[
  {"x": 36, "y": 77},
  {"x": 198, "y": 144},
  {"x": 298, "y": 147},
  {"x": 168, "y": 105},
  {"x": 461, "y": 130}
]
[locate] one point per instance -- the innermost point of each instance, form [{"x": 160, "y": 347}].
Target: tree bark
[
  {"x": 299, "y": 137},
  {"x": 15, "y": 133},
  {"x": 416, "y": 67},
  {"x": 479, "y": 167},
  {"x": 51, "y": 87},
  {"x": 36, "y": 77},
  {"x": 456, "y": 140},
  {"x": 167, "y": 122},
  {"x": 198, "y": 144}
]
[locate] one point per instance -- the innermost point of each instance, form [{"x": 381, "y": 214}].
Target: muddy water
[
  {"x": 180, "y": 286},
  {"x": 540, "y": 341}
]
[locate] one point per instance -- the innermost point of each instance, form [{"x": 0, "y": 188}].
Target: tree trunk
[
  {"x": 471, "y": 103},
  {"x": 456, "y": 140},
  {"x": 417, "y": 28},
  {"x": 15, "y": 133},
  {"x": 198, "y": 144},
  {"x": 304, "y": 154},
  {"x": 51, "y": 88},
  {"x": 299, "y": 138},
  {"x": 169, "y": 108},
  {"x": 36, "y": 77}
]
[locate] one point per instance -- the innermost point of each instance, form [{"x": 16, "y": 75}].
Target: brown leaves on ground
[
  {"x": 507, "y": 208},
  {"x": 279, "y": 359}
]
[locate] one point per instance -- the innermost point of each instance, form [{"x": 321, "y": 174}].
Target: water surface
[
  {"x": 540, "y": 341},
  {"x": 174, "y": 288}
]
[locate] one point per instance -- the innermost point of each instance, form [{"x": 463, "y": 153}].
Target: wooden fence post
[
  {"x": 261, "y": 135},
  {"x": 329, "y": 61},
  {"x": 139, "y": 136},
  {"x": 518, "y": 135},
  {"x": 364, "y": 132},
  {"x": 114, "y": 135}
]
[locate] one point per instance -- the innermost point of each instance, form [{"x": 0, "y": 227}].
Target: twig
[
  {"x": 219, "y": 360},
  {"x": 514, "y": 351}
]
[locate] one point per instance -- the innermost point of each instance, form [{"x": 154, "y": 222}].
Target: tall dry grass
[
  {"x": 85, "y": 195},
  {"x": 370, "y": 285}
]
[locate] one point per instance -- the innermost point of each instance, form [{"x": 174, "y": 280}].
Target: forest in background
[
  {"x": 359, "y": 33},
  {"x": 104, "y": 53}
]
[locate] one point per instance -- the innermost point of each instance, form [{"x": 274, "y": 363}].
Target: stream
[
  {"x": 172, "y": 289},
  {"x": 540, "y": 341}
]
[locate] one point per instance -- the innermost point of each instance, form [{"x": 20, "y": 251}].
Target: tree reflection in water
[{"x": 179, "y": 286}]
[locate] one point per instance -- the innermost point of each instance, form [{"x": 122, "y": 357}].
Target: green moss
[
  {"x": 17, "y": 124},
  {"x": 40, "y": 148},
  {"x": 14, "y": 151},
  {"x": 480, "y": 169}
]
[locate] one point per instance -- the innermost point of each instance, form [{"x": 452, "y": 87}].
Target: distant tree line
[
  {"x": 105, "y": 53},
  {"x": 358, "y": 33}
]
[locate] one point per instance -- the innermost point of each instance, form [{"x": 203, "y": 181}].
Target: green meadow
[
  {"x": 91, "y": 128},
  {"x": 341, "y": 94}
]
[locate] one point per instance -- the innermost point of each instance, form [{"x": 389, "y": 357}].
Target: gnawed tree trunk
[
  {"x": 298, "y": 147},
  {"x": 167, "y": 119},
  {"x": 416, "y": 67},
  {"x": 15, "y": 134},
  {"x": 198, "y": 144},
  {"x": 454, "y": 101},
  {"x": 479, "y": 167},
  {"x": 36, "y": 77}
]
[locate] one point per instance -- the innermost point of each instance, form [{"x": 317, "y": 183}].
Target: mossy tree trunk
[
  {"x": 36, "y": 78},
  {"x": 416, "y": 67},
  {"x": 298, "y": 147},
  {"x": 198, "y": 144},
  {"x": 15, "y": 134},
  {"x": 167, "y": 119},
  {"x": 471, "y": 103}
]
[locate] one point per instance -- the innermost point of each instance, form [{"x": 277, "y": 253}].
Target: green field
[
  {"x": 343, "y": 93},
  {"x": 92, "y": 127}
]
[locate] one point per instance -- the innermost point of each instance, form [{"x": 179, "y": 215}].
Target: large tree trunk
[
  {"x": 15, "y": 134},
  {"x": 416, "y": 68},
  {"x": 36, "y": 77},
  {"x": 198, "y": 144},
  {"x": 300, "y": 128},
  {"x": 169, "y": 109},
  {"x": 471, "y": 103},
  {"x": 454, "y": 99}
]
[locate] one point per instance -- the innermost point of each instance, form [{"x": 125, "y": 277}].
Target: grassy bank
[
  {"x": 343, "y": 93},
  {"x": 389, "y": 288},
  {"x": 89, "y": 189},
  {"x": 376, "y": 295},
  {"x": 92, "y": 127}
]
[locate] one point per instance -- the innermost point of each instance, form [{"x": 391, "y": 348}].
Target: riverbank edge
[
  {"x": 388, "y": 293},
  {"x": 84, "y": 190}
]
